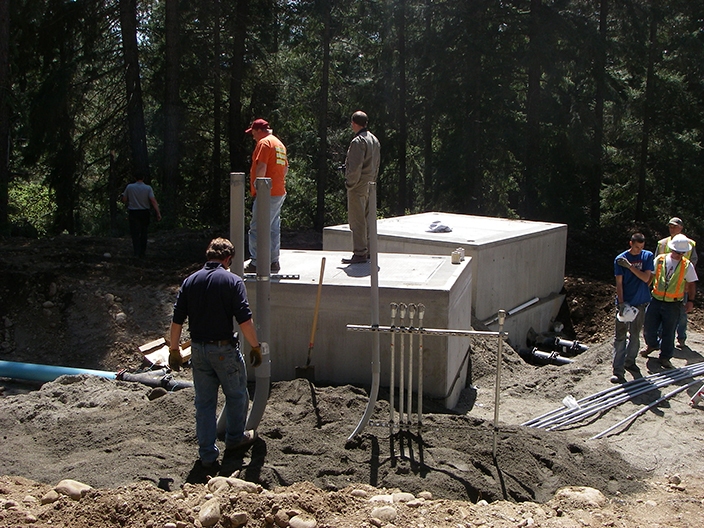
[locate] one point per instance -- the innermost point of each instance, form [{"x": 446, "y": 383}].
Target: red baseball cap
[{"x": 257, "y": 124}]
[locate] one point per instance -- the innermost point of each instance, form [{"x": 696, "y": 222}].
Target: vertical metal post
[
  {"x": 421, "y": 313},
  {"x": 499, "y": 360},
  {"x": 263, "y": 187},
  {"x": 411, "y": 317},
  {"x": 392, "y": 385},
  {"x": 402, "y": 364},
  {"x": 237, "y": 194}
]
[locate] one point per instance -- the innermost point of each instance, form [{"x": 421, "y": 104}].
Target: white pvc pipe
[
  {"x": 610, "y": 397},
  {"x": 616, "y": 401},
  {"x": 606, "y": 393},
  {"x": 261, "y": 392},
  {"x": 376, "y": 355},
  {"x": 644, "y": 409}
]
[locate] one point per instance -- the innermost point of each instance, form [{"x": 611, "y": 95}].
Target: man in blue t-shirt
[{"x": 632, "y": 269}]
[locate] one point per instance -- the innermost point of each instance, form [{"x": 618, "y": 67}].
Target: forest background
[{"x": 583, "y": 112}]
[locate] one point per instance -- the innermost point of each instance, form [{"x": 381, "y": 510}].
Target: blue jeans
[
  {"x": 213, "y": 367},
  {"x": 682, "y": 325},
  {"x": 139, "y": 222},
  {"x": 666, "y": 314},
  {"x": 275, "y": 224},
  {"x": 626, "y": 350}
]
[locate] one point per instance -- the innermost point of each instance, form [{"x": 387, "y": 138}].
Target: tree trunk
[
  {"x": 598, "y": 147},
  {"x": 428, "y": 118},
  {"x": 238, "y": 156},
  {"x": 113, "y": 193},
  {"x": 403, "y": 199},
  {"x": 319, "y": 222},
  {"x": 4, "y": 113},
  {"x": 135, "y": 112},
  {"x": 530, "y": 189},
  {"x": 647, "y": 111},
  {"x": 214, "y": 206},
  {"x": 171, "y": 110}
]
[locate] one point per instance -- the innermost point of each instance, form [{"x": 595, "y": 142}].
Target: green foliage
[
  {"x": 466, "y": 68},
  {"x": 30, "y": 204}
]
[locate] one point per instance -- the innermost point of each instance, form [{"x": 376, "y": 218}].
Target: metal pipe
[
  {"x": 376, "y": 354},
  {"x": 513, "y": 310},
  {"x": 499, "y": 360},
  {"x": 614, "y": 402},
  {"x": 262, "y": 320},
  {"x": 426, "y": 331},
  {"x": 609, "y": 401},
  {"x": 606, "y": 393},
  {"x": 402, "y": 366},
  {"x": 421, "y": 313},
  {"x": 392, "y": 387},
  {"x": 35, "y": 372},
  {"x": 263, "y": 186},
  {"x": 639, "y": 386},
  {"x": 237, "y": 194},
  {"x": 644, "y": 409},
  {"x": 411, "y": 317}
]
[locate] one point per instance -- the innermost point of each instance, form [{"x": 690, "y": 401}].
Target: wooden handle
[{"x": 317, "y": 302}]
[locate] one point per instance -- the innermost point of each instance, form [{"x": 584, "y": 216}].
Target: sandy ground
[{"x": 137, "y": 452}]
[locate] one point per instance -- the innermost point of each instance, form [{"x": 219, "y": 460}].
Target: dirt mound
[{"x": 85, "y": 302}]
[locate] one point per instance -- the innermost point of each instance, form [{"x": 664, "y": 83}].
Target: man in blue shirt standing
[
  {"x": 139, "y": 197},
  {"x": 210, "y": 298},
  {"x": 632, "y": 269}
]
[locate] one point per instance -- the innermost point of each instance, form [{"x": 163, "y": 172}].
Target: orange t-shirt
[{"x": 271, "y": 151}]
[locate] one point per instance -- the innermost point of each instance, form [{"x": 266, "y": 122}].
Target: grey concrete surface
[
  {"x": 513, "y": 261},
  {"x": 341, "y": 356}
]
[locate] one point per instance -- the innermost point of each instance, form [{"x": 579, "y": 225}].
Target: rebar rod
[{"x": 644, "y": 409}]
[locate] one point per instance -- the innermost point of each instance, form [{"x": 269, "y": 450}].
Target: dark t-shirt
[{"x": 210, "y": 298}]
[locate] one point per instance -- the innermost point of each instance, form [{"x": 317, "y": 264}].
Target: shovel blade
[{"x": 307, "y": 372}]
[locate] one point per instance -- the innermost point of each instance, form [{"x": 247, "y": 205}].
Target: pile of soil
[{"x": 85, "y": 302}]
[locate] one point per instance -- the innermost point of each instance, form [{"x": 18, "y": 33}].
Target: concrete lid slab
[
  {"x": 467, "y": 230},
  {"x": 396, "y": 270}
]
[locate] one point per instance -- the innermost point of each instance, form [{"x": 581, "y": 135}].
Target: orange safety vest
[{"x": 672, "y": 290}]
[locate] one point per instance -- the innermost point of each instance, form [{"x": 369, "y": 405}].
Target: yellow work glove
[
  {"x": 175, "y": 359},
  {"x": 255, "y": 356}
]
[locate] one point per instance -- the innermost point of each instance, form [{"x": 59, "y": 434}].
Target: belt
[{"x": 221, "y": 342}]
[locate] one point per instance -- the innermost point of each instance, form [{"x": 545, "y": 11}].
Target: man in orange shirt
[{"x": 269, "y": 160}]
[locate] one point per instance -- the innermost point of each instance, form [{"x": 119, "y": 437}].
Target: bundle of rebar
[{"x": 609, "y": 398}]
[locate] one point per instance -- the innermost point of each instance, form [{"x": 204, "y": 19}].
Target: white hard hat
[
  {"x": 628, "y": 314},
  {"x": 680, "y": 244}
]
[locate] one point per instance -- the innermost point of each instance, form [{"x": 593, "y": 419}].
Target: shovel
[{"x": 308, "y": 372}]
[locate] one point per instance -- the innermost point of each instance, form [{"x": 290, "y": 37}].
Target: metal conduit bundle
[{"x": 609, "y": 398}]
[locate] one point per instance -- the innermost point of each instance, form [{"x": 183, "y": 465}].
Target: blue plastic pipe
[{"x": 34, "y": 372}]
